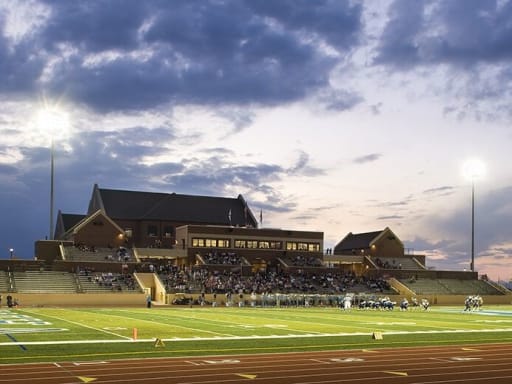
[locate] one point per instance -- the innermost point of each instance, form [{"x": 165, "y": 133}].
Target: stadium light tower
[
  {"x": 473, "y": 169},
  {"x": 53, "y": 121}
]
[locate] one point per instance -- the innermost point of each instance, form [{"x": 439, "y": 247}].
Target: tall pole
[
  {"x": 51, "y": 189},
  {"x": 472, "y": 225}
]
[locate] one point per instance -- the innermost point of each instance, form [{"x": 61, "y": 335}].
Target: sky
[{"x": 326, "y": 115}]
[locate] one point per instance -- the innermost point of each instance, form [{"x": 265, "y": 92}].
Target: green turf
[{"x": 99, "y": 333}]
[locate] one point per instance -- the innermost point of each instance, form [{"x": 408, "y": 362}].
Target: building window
[
  {"x": 168, "y": 231},
  {"x": 252, "y": 244},
  {"x": 313, "y": 247},
  {"x": 263, "y": 245},
  {"x": 152, "y": 230},
  {"x": 197, "y": 242},
  {"x": 210, "y": 243},
  {"x": 223, "y": 243},
  {"x": 240, "y": 244},
  {"x": 300, "y": 246}
]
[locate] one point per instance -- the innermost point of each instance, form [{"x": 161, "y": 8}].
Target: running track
[{"x": 485, "y": 363}]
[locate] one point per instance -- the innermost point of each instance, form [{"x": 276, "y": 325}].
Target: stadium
[{"x": 169, "y": 276}]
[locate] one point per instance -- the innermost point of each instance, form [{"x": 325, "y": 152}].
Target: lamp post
[
  {"x": 473, "y": 169},
  {"x": 53, "y": 121},
  {"x": 52, "y": 150},
  {"x": 472, "y": 266},
  {"x": 11, "y": 251}
]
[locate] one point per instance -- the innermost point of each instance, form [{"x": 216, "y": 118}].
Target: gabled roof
[
  {"x": 69, "y": 220},
  {"x": 357, "y": 241},
  {"x": 364, "y": 240},
  {"x": 136, "y": 205},
  {"x": 93, "y": 217},
  {"x": 66, "y": 221}
]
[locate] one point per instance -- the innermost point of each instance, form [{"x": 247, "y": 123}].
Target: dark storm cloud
[
  {"x": 338, "y": 22},
  {"x": 456, "y": 32},
  {"x": 19, "y": 68},
  {"x": 94, "y": 25},
  {"x": 6, "y": 169},
  {"x": 199, "y": 52},
  {"x": 470, "y": 41}
]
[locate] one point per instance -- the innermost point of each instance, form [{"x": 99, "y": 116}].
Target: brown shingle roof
[
  {"x": 357, "y": 241},
  {"x": 135, "y": 205}
]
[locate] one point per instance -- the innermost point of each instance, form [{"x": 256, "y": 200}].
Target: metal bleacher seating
[
  {"x": 450, "y": 287},
  {"x": 44, "y": 282},
  {"x": 469, "y": 287},
  {"x": 426, "y": 286},
  {"x": 99, "y": 254},
  {"x": 398, "y": 263},
  {"x": 4, "y": 282},
  {"x": 93, "y": 283}
]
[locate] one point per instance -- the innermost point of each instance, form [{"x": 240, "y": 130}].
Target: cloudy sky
[{"x": 328, "y": 115}]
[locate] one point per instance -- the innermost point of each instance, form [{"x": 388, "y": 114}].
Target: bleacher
[
  {"x": 397, "y": 263},
  {"x": 93, "y": 283},
  {"x": 469, "y": 287},
  {"x": 44, "y": 282},
  {"x": 4, "y": 281},
  {"x": 98, "y": 254},
  {"x": 450, "y": 287},
  {"x": 425, "y": 286}
]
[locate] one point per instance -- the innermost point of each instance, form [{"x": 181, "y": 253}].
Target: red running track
[{"x": 485, "y": 363}]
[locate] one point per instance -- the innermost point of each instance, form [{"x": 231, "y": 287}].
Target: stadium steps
[
  {"x": 44, "y": 282},
  {"x": 4, "y": 282},
  {"x": 426, "y": 287},
  {"x": 469, "y": 287},
  {"x": 401, "y": 263},
  {"x": 101, "y": 254}
]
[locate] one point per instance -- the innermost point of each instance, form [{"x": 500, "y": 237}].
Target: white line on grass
[
  {"x": 344, "y": 334},
  {"x": 83, "y": 325},
  {"x": 173, "y": 325}
]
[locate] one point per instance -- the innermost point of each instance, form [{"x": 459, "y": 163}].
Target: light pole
[
  {"x": 473, "y": 169},
  {"x": 472, "y": 267},
  {"x": 11, "y": 251},
  {"x": 52, "y": 150},
  {"x": 53, "y": 121}
]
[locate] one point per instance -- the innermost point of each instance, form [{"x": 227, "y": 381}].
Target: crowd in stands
[
  {"x": 113, "y": 281},
  {"x": 108, "y": 253},
  {"x": 387, "y": 265},
  {"x": 305, "y": 261},
  {"x": 185, "y": 279},
  {"x": 85, "y": 248},
  {"x": 226, "y": 258}
]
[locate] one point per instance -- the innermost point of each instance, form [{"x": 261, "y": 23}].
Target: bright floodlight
[
  {"x": 53, "y": 120},
  {"x": 473, "y": 169}
]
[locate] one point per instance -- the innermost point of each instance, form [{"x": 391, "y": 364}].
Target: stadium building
[{"x": 179, "y": 248}]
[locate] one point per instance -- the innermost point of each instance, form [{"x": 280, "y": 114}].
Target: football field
[{"x": 78, "y": 334}]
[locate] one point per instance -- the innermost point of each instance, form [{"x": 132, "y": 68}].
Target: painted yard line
[
  {"x": 183, "y": 339},
  {"x": 174, "y": 325},
  {"x": 208, "y": 321},
  {"x": 82, "y": 325}
]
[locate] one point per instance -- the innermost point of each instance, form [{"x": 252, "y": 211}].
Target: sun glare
[
  {"x": 53, "y": 121},
  {"x": 473, "y": 169}
]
